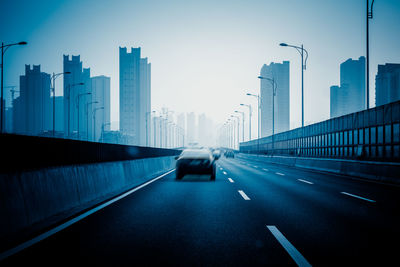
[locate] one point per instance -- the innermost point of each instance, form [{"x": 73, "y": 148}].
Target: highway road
[{"x": 254, "y": 214}]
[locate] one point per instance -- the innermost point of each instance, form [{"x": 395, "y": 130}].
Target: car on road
[
  {"x": 229, "y": 154},
  {"x": 195, "y": 161},
  {"x": 216, "y": 153}
]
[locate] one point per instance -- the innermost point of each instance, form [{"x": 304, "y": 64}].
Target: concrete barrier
[
  {"x": 35, "y": 199},
  {"x": 388, "y": 172}
]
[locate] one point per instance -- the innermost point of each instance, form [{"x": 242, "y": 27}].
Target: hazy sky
[{"x": 205, "y": 55}]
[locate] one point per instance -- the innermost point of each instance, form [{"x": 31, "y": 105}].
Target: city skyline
[{"x": 187, "y": 53}]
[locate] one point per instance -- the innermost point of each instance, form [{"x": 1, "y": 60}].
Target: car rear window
[{"x": 196, "y": 154}]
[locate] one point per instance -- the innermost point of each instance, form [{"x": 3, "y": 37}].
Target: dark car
[
  {"x": 195, "y": 161},
  {"x": 229, "y": 154}
]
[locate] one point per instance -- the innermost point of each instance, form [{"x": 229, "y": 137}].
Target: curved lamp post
[
  {"x": 258, "y": 121},
  {"x": 4, "y": 48},
  {"x": 301, "y": 50}
]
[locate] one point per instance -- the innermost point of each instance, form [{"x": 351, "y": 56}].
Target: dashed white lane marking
[
  {"x": 280, "y": 173},
  {"x": 363, "y": 198},
  {"x": 224, "y": 172},
  {"x": 220, "y": 168},
  {"x": 244, "y": 196},
  {"x": 293, "y": 252},
  {"x": 265, "y": 170},
  {"x": 255, "y": 166},
  {"x": 230, "y": 180},
  {"x": 304, "y": 181},
  {"x": 61, "y": 227}
]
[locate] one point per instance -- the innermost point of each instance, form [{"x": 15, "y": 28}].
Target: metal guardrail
[{"x": 372, "y": 134}]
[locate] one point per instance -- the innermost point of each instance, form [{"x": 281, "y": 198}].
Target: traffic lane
[
  {"x": 188, "y": 222},
  {"x": 388, "y": 195},
  {"x": 329, "y": 227}
]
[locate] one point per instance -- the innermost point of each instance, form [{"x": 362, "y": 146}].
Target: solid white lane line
[
  {"x": 304, "y": 181},
  {"x": 224, "y": 172},
  {"x": 363, "y": 198},
  {"x": 293, "y": 252},
  {"x": 230, "y": 180},
  {"x": 280, "y": 173},
  {"x": 244, "y": 196},
  {"x": 265, "y": 170},
  {"x": 61, "y": 227}
]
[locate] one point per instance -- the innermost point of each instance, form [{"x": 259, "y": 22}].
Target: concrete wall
[
  {"x": 379, "y": 171},
  {"x": 35, "y": 199}
]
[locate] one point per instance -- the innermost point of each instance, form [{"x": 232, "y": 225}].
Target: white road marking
[
  {"x": 304, "y": 181},
  {"x": 293, "y": 252},
  {"x": 244, "y": 196},
  {"x": 255, "y": 166},
  {"x": 265, "y": 170},
  {"x": 61, "y": 227},
  {"x": 363, "y": 198},
  {"x": 280, "y": 173},
  {"x": 224, "y": 172},
  {"x": 230, "y": 180},
  {"x": 220, "y": 168}
]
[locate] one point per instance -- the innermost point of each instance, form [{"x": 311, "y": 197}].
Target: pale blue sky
[{"x": 205, "y": 55}]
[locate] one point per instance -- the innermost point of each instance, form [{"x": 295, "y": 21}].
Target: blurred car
[
  {"x": 216, "y": 153},
  {"x": 229, "y": 154},
  {"x": 195, "y": 161}
]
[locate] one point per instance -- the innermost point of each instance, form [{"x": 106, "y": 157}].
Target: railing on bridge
[{"x": 370, "y": 134}]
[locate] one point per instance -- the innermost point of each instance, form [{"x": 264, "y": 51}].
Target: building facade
[
  {"x": 32, "y": 111},
  {"x": 280, "y": 73},
  {"x": 98, "y": 109},
  {"x": 350, "y": 96},
  {"x": 387, "y": 84},
  {"x": 134, "y": 93}
]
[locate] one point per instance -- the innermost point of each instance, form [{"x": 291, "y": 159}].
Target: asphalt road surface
[{"x": 254, "y": 214}]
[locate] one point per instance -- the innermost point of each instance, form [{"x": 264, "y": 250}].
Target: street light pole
[
  {"x": 242, "y": 113},
  {"x": 249, "y": 106},
  {"x": 301, "y": 50},
  {"x": 94, "y": 122},
  {"x": 87, "y": 118},
  {"x": 274, "y": 85},
  {"x": 238, "y": 119},
  {"x": 258, "y": 121},
  {"x": 4, "y": 48},
  {"x": 78, "y": 108},
  {"x": 69, "y": 104},
  {"x": 53, "y": 78},
  {"x": 369, "y": 16}
]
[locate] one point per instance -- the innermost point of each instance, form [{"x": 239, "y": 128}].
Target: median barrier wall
[
  {"x": 388, "y": 172},
  {"x": 38, "y": 197}
]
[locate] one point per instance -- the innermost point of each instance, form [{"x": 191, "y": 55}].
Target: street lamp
[
  {"x": 301, "y": 50},
  {"x": 238, "y": 119},
  {"x": 4, "y": 48},
  {"x": 78, "y": 107},
  {"x": 249, "y": 106},
  {"x": 369, "y": 16},
  {"x": 69, "y": 103},
  {"x": 273, "y": 106},
  {"x": 87, "y": 118},
  {"x": 53, "y": 78},
  {"x": 258, "y": 120},
  {"x": 242, "y": 113},
  {"x": 94, "y": 122}
]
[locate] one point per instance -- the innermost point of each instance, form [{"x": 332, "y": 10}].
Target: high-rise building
[
  {"x": 191, "y": 128},
  {"x": 387, "y": 84},
  {"x": 134, "y": 94},
  {"x": 98, "y": 109},
  {"x": 32, "y": 111},
  {"x": 349, "y": 97},
  {"x": 280, "y": 73},
  {"x": 76, "y": 97}
]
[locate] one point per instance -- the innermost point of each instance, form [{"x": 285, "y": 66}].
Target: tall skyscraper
[
  {"x": 280, "y": 73},
  {"x": 32, "y": 109},
  {"x": 191, "y": 128},
  {"x": 387, "y": 84},
  {"x": 134, "y": 94},
  {"x": 350, "y": 96},
  {"x": 98, "y": 109},
  {"x": 76, "y": 95}
]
